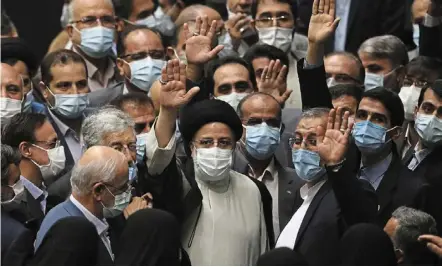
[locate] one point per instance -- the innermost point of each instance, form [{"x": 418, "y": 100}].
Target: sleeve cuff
[
  {"x": 158, "y": 158},
  {"x": 430, "y": 21},
  {"x": 308, "y": 66}
]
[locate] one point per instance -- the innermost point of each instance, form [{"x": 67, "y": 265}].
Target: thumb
[
  {"x": 336, "y": 23},
  {"x": 191, "y": 93},
  {"x": 215, "y": 51},
  {"x": 286, "y": 95}
]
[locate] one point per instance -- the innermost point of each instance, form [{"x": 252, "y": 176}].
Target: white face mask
[
  {"x": 409, "y": 96},
  {"x": 373, "y": 80},
  {"x": 212, "y": 164},
  {"x": 57, "y": 161},
  {"x": 9, "y": 107},
  {"x": 232, "y": 99},
  {"x": 18, "y": 189},
  {"x": 331, "y": 82},
  {"x": 276, "y": 36}
]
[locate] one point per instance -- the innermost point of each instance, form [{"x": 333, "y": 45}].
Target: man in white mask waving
[{"x": 224, "y": 221}]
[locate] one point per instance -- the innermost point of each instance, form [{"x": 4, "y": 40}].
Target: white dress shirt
[
  {"x": 36, "y": 192},
  {"x": 342, "y": 11},
  {"x": 100, "y": 225},
  {"x": 418, "y": 157},
  {"x": 290, "y": 233}
]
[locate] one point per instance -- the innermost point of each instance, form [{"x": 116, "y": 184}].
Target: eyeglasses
[
  {"x": 139, "y": 127},
  {"x": 272, "y": 122},
  {"x": 154, "y": 54},
  {"x": 125, "y": 188},
  {"x": 50, "y": 145},
  {"x": 132, "y": 147},
  {"x": 267, "y": 21},
  {"x": 418, "y": 83},
  {"x": 240, "y": 87},
  {"x": 92, "y": 21},
  {"x": 208, "y": 143},
  {"x": 309, "y": 142}
]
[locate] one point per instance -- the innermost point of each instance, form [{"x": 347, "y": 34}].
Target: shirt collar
[
  {"x": 33, "y": 189},
  {"x": 100, "y": 225},
  {"x": 61, "y": 126},
  {"x": 92, "y": 70},
  {"x": 271, "y": 170},
  {"x": 307, "y": 192},
  {"x": 377, "y": 170},
  {"x": 420, "y": 155}
]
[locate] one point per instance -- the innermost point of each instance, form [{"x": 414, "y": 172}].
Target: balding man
[
  {"x": 99, "y": 182},
  {"x": 92, "y": 32},
  {"x": 12, "y": 97}
]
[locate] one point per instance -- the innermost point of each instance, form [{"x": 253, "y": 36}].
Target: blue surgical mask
[
  {"x": 97, "y": 42},
  {"x": 373, "y": 80},
  {"x": 133, "y": 172},
  {"x": 262, "y": 140},
  {"x": 141, "y": 146},
  {"x": 369, "y": 137},
  {"x": 307, "y": 165},
  {"x": 145, "y": 72},
  {"x": 70, "y": 106},
  {"x": 163, "y": 24},
  {"x": 429, "y": 128}
]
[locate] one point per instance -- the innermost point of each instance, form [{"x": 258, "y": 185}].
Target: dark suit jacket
[
  {"x": 430, "y": 41},
  {"x": 17, "y": 241},
  {"x": 102, "y": 97},
  {"x": 367, "y": 18},
  {"x": 341, "y": 202}
]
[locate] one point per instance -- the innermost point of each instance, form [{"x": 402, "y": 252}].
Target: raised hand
[
  {"x": 237, "y": 24},
  {"x": 322, "y": 22},
  {"x": 173, "y": 86},
  {"x": 434, "y": 243},
  {"x": 333, "y": 142},
  {"x": 135, "y": 205},
  {"x": 274, "y": 81},
  {"x": 199, "y": 43}
]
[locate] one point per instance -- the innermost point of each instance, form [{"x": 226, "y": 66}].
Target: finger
[
  {"x": 204, "y": 26},
  {"x": 212, "y": 30},
  {"x": 315, "y": 7},
  {"x": 282, "y": 74},
  {"x": 338, "y": 119},
  {"x": 276, "y": 69},
  {"x": 344, "y": 124},
  {"x": 198, "y": 24},
  {"x": 270, "y": 70},
  {"x": 435, "y": 249},
  {"x": 335, "y": 23},
  {"x": 348, "y": 131},
  {"x": 187, "y": 33},
  {"x": 169, "y": 71},
  {"x": 320, "y": 133},
  {"x": 321, "y": 6},
  {"x": 331, "y": 119},
  {"x": 237, "y": 18},
  {"x": 264, "y": 73},
  {"x": 286, "y": 95},
  {"x": 240, "y": 24},
  {"x": 164, "y": 73},
  {"x": 326, "y": 6},
  {"x": 176, "y": 70},
  {"x": 215, "y": 51},
  {"x": 332, "y": 11},
  {"x": 182, "y": 72},
  {"x": 191, "y": 93},
  {"x": 431, "y": 238}
]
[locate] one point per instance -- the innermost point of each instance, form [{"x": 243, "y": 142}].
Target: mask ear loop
[{"x": 55, "y": 100}]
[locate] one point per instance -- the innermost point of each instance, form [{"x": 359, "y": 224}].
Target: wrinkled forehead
[{"x": 310, "y": 124}]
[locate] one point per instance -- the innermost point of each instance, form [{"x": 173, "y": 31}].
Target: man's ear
[
  {"x": 170, "y": 53},
  {"x": 120, "y": 66},
  {"x": 400, "y": 75},
  {"x": 23, "y": 147},
  {"x": 69, "y": 30},
  {"x": 44, "y": 90},
  {"x": 399, "y": 255},
  {"x": 396, "y": 132},
  {"x": 97, "y": 191}
]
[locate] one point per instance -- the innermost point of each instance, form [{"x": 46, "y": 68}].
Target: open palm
[{"x": 322, "y": 22}]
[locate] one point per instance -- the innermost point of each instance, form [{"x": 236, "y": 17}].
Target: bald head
[
  {"x": 259, "y": 105},
  {"x": 82, "y": 8},
  {"x": 190, "y": 13},
  {"x": 11, "y": 83},
  {"x": 98, "y": 164}
]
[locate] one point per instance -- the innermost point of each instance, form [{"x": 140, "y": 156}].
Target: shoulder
[{"x": 244, "y": 183}]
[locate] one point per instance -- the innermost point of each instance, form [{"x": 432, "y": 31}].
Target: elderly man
[
  {"x": 404, "y": 228},
  {"x": 343, "y": 68},
  {"x": 99, "y": 182},
  {"x": 92, "y": 32},
  {"x": 223, "y": 217},
  {"x": 384, "y": 59},
  {"x": 330, "y": 193},
  {"x": 12, "y": 96}
]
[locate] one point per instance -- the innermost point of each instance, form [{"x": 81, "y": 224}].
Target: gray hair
[
  {"x": 103, "y": 122},
  {"x": 71, "y": 9},
  {"x": 386, "y": 46},
  {"x": 315, "y": 113},
  {"x": 9, "y": 155},
  {"x": 84, "y": 176},
  {"x": 411, "y": 224}
]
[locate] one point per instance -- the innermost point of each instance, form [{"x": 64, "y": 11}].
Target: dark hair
[
  {"x": 123, "y": 8},
  {"x": 217, "y": 63},
  {"x": 121, "y": 47},
  {"x": 425, "y": 67},
  {"x": 391, "y": 101},
  {"x": 354, "y": 58},
  {"x": 7, "y": 26},
  {"x": 436, "y": 86},
  {"x": 137, "y": 98},
  {"x": 352, "y": 90},
  {"x": 239, "y": 110},
  {"x": 9, "y": 156},
  {"x": 59, "y": 57},
  {"x": 21, "y": 128},
  {"x": 267, "y": 51},
  {"x": 292, "y": 3}
]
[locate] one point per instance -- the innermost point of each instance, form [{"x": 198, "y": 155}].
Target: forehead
[
  {"x": 338, "y": 61},
  {"x": 10, "y": 75},
  {"x": 344, "y": 100},
  {"x": 373, "y": 105},
  {"x": 231, "y": 72},
  {"x": 142, "y": 40},
  {"x": 214, "y": 130},
  {"x": 137, "y": 110},
  {"x": 45, "y": 132},
  {"x": 260, "y": 62},
  {"x": 272, "y": 6},
  {"x": 310, "y": 124},
  {"x": 432, "y": 97},
  {"x": 367, "y": 59},
  {"x": 71, "y": 71},
  {"x": 258, "y": 106},
  {"x": 21, "y": 68},
  {"x": 83, "y": 8},
  {"x": 124, "y": 137}
]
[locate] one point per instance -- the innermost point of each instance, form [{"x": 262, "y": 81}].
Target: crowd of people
[{"x": 225, "y": 132}]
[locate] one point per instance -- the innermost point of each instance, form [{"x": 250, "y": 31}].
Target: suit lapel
[
  {"x": 388, "y": 183},
  {"x": 288, "y": 186},
  {"x": 326, "y": 187},
  {"x": 33, "y": 207},
  {"x": 354, "y": 7}
]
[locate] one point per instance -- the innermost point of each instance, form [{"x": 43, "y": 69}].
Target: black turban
[
  {"x": 16, "y": 48},
  {"x": 196, "y": 115}
]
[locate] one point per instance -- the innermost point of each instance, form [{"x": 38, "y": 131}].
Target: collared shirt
[
  {"x": 36, "y": 192},
  {"x": 375, "y": 173},
  {"x": 407, "y": 143},
  {"x": 342, "y": 11},
  {"x": 95, "y": 79},
  {"x": 70, "y": 136},
  {"x": 418, "y": 157},
  {"x": 430, "y": 21},
  {"x": 270, "y": 179},
  {"x": 290, "y": 233},
  {"x": 100, "y": 225}
]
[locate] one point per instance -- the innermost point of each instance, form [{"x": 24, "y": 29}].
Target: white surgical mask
[
  {"x": 145, "y": 72},
  {"x": 331, "y": 82},
  {"x": 276, "y": 36},
  {"x": 232, "y": 99},
  {"x": 212, "y": 164},
  {"x": 373, "y": 80},
  {"x": 70, "y": 106},
  {"x": 429, "y": 128},
  {"x": 9, "y": 107},
  {"x": 409, "y": 96},
  {"x": 18, "y": 189},
  {"x": 57, "y": 161}
]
